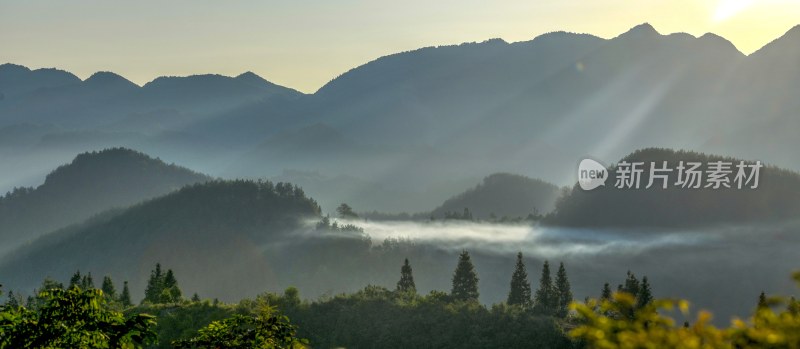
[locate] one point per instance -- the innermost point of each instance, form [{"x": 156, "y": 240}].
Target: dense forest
[{"x": 78, "y": 314}]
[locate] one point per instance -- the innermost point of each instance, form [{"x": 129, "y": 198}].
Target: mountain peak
[
  {"x": 11, "y": 67},
  {"x": 641, "y": 31},
  {"x": 106, "y": 77}
]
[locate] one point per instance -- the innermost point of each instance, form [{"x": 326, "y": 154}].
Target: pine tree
[
  {"x": 563, "y": 292},
  {"x": 170, "y": 292},
  {"x": 108, "y": 288},
  {"x": 465, "y": 280},
  {"x": 762, "y": 301},
  {"x": 520, "y": 293},
  {"x": 87, "y": 283},
  {"x": 195, "y": 297},
  {"x": 75, "y": 280},
  {"x": 631, "y": 285},
  {"x": 606, "y": 293},
  {"x": 155, "y": 285},
  {"x": 125, "y": 296},
  {"x": 406, "y": 283},
  {"x": 645, "y": 295},
  {"x": 13, "y": 301},
  {"x": 545, "y": 299}
]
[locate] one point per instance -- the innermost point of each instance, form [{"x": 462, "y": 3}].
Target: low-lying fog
[{"x": 722, "y": 269}]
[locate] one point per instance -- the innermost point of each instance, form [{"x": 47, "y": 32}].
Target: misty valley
[{"x": 425, "y": 199}]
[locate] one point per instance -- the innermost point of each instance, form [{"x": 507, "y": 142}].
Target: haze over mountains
[
  {"x": 90, "y": 184},
  {"x": 417, "y": 120}
]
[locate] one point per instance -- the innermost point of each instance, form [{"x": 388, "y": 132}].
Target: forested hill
[
  {"x": 91, "y": 183},
  {"x": 205, "y": 231},
  {"x": 777, "y": 197},
  {"x": 502, "y": 194}
]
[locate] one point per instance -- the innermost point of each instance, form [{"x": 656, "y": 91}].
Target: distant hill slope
[
  {"x": 503, "y": 194},
  {"x": 91, "y": 183},
  {"x": 209, "y": 233},
  {"x": 777, "y": 198}
]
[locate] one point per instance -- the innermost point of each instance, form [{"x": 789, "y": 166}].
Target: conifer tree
[
  {"x": 170, "y": 291},
  {"x": 155, "y": 285},
  {"x": 195, "y": 297},
  {"x": 645, "y": 295},
  {"x": 75, "y": 280},
  {"x": 520, "y": 293},
  {"x": 125, "y": 296},
  {"x": 406, "y": 283},
  {"x": 545, "y": 299},
  {"x": 108, "y": 288},
  {"x": 631, "y": 284},
  {"x": 563, "y": 291},
  {"x": 606, "y": 293},
  {"x": 87, "y": 283},
  {"x": 465, "y": 280},
  {"x": 762, "y": 301}
]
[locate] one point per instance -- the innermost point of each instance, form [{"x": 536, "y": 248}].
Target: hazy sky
[{"x": 303, "y": 44}]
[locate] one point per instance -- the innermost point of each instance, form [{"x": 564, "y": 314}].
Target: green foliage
[
  {"x": 602, "y": 327},
  {"x": 520, "y": 293},
  {"x": 162, "y": 287},
  {"x": 406, "y": 283},
  {"x": 465, "y": 280},
  {"x": 73, "y": 318},
  {"x": 376, "y": 317},
  {"x": 264, "y": 331}
]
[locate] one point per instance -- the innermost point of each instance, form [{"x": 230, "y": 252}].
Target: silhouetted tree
[
  {"x": 563, "y": 292},
  {"x": 125, "y": 296},
  {"x": 406, "y": 283},
  {"x": 520, "y": 293},
  {"x": 762, "y": 301},
  {"x": 631, "y": 284},
  {"x": 545, "y": 300},
  {"x": 645, "y": 295},
  {"x": 108, "y": 288},
  {"x": 606, "y": 293},
  {"x": 465, "y": 280},
  {"x": 345, "y": 211},
  {"x": 87, "y": 282},
  {"x": 75, "y": 280}
]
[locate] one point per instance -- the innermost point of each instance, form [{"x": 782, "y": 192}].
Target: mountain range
[{"x": 420, "y": 119}]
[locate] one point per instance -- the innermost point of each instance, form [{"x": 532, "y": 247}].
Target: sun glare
[{"x": 729, "y": 8}]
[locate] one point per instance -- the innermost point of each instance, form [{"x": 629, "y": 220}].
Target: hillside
[
  {"x": 204, "y": 231},
  {"x": 91, "y": 183},
  {"x": 502, "y": 195},
  {"x": 776, "y": 199}
]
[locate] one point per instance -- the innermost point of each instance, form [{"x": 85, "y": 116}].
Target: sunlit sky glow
[{"x": 303, "y": 44}]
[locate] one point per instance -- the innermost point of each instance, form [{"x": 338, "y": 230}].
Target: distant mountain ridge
[
  {"x": 424, "y": 116},
  {"x": 91, "y": 183}
]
